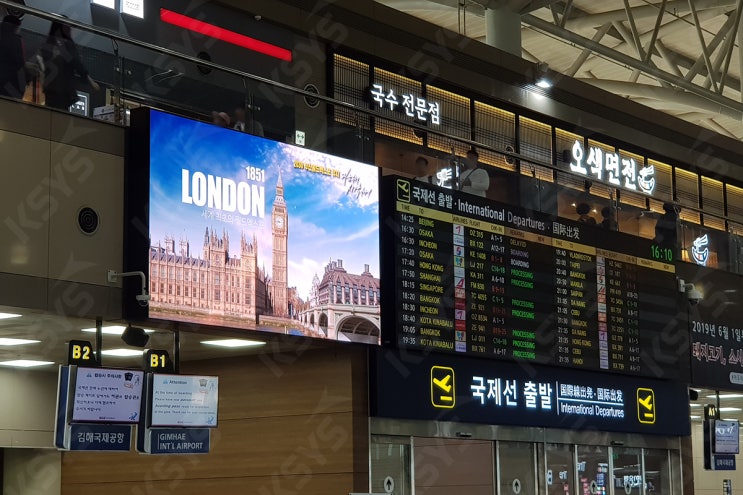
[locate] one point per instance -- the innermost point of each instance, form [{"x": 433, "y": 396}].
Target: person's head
[
  {"x": 472, "y": 158},
  {"x": 59, "y": 30},
  {"x": 239, "y": 114},
  {"x": 606, "y": 212},
  {"x": 421, "y": 166},
  {"x": 582, "y": 209},
  {"x": 13, "y": 22},
  {"x": 221, "y": 119}
]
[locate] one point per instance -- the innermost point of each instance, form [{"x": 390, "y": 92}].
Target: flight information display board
[{"x": 480, "y": 278}]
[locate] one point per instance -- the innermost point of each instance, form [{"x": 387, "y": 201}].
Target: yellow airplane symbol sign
[
  {"x": 442, "y": 387},
  {"x": 403, "y": 190},
  {"x": 646, "y": 405}
]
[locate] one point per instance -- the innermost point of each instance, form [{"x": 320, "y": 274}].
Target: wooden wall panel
[
  {"x": 300, "y": 428},
  {"x": 293, "y": 485}
]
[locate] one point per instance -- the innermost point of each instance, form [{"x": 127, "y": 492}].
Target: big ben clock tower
[{"x": 280, "y": 234}]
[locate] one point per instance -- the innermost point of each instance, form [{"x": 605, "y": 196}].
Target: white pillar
[{"x": 503, "y": 29}]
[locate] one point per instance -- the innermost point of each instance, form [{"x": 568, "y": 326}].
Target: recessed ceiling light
[
  {"x": 9, "y": 341},
  {"x": 122, "y": 352},
  {"x": 695, "y": 405},
  {"x": 726, "y": 396},
  {"x": 694, "y": 417},
  {"x": 729, "y": 409},
  {"x": 4, "y": 316},
  {"x": 112, "y": 330},
  {"x": 233, "y": 343},
  {"x": 729, "y": 419},
  {"x": 25, "y": 363}
]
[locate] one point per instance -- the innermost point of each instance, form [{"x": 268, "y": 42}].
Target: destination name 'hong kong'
[{"x": 427, "y": 265}]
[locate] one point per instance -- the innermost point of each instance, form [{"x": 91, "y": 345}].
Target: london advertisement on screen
[{"x": 251, "y": 233}]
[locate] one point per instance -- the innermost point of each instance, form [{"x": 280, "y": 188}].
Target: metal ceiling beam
[
  {"x": 711, "y": 76},
  {"x": 724, "y": 31},
  {"x": 730, "y": 44},
  {"x": 725, "y": 104},
  {"x": 573, "y": 69},
  {"x": 684, "y": 98},
  {"x": 669, "y": 57},
  {"x": 677, "y": 6},
  {"x": 723, "y": 55}
]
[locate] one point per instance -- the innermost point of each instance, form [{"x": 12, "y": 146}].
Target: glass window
[
  {"x": 390, "y": 456},
  {"x": 593, "y": 469},
  {"x": 516, "y": 467},
  {"x": 560, "y": 473},
  {"x": 627, "y": 473},
  {"x": 454, "y": 466},
  {"x": 657, "y": 472}
]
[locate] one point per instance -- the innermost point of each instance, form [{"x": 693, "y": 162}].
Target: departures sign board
[{"x": 479, "y": 278}]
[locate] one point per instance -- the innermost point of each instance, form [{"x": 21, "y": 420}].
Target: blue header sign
[
  {"x": 448, "y": 388},
  {"x": 179, "y": 441},
  {"x": 100, "y": 437}
]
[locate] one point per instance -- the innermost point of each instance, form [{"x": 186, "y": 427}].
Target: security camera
[
  {"x": 693, "y": 295},
  {"x": 143, "y": 299}
]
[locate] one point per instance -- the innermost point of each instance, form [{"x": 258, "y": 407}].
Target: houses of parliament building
[{"x": 216, "y": 286}]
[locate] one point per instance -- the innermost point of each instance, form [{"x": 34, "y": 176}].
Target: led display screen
[
  {"x": 485, "y": 279},
  {"x": 250, "y": 233},
  {"x": 712, "y": 303}
]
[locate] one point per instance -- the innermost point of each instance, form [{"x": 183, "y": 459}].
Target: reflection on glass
[
  {"x": 657, "y": 472},
  {"x": 516, "y": 467},
  {"x": 390, "y": 457},
  {"x": 593, "y": 470},
  {"x": 560, "y": 473},
  {"x": 627, "y": 473},
  {"x": 445, "y": 466}
]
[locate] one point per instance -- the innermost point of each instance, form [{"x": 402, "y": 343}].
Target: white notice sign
[
  {"x": 184, "y": 400},
  {"x": 107, "y": 395}
]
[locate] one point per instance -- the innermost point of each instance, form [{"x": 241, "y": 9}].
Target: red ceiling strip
[{"x": 222, "y": 34}]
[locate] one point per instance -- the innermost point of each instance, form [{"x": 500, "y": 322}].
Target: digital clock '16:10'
[{"x": 660, "y": 253}]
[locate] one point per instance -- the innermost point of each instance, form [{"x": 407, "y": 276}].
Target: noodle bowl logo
[
  {"x": 699, "y": 250},
  {"x": 646, "y": 179}
]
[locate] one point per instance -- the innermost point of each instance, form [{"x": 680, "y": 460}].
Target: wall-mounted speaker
[
  {"x": 87, "y": 220},
  {"x": 308, "y": 100},
  {"x": 135, "y": 336}
]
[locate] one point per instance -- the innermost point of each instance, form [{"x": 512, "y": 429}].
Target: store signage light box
[
  {"x": 612, "y": 168},
  {"x": 413, "y": 106},
  {"x": 251, "y": 233}
]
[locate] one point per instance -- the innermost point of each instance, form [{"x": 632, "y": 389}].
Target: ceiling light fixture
[
  {"x": 6, "y": 341},
  {"x": 25, "y": 363},
  {"x": 726, "y": 396},
  {"x": 122, "y": 352},
  {"x": 5, "y": 316},
  {"x": 542, "y": 79},
  {"x": 729, "y": 409},
  {"x": 112, "y": 330},
  {"x": 233, "y": 343}
]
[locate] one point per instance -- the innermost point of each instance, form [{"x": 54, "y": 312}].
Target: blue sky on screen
[{"x": 328, "y": 217}]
